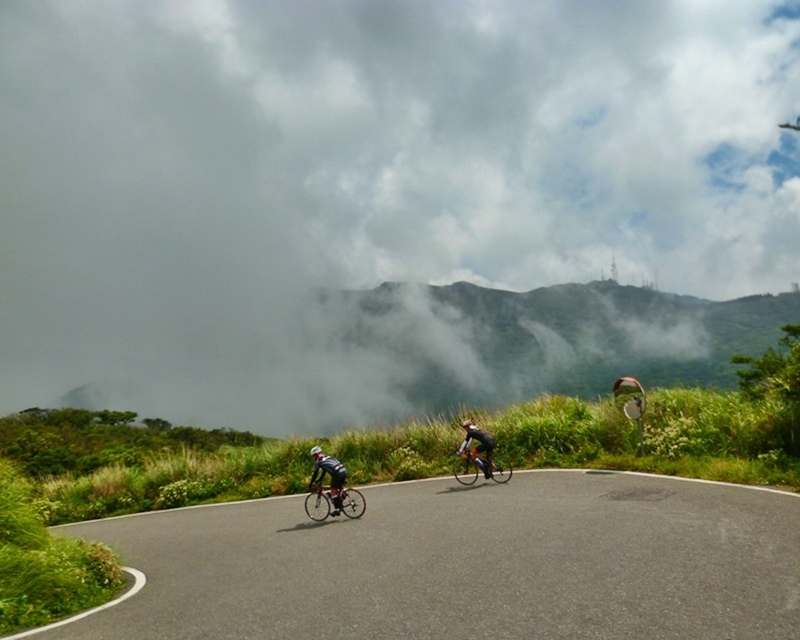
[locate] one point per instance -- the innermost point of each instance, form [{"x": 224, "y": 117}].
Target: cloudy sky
[{"x": 175, "y": 175}]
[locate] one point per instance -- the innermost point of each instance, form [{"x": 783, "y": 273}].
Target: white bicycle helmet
[{"x": 316, "y": 450}]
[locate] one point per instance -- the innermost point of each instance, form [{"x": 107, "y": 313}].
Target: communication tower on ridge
[
  {"x": 795, "y": 287},
  {"x": 614, "y": 274}
]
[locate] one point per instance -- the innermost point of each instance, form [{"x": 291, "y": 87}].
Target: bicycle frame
[
  {"x": 467, "y": 468},
  {"x": 326, "y": 489},
  {"x": 474, "y": 457}
]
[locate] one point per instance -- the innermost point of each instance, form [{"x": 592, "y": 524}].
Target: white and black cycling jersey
[{"x": 330, "y": 465}]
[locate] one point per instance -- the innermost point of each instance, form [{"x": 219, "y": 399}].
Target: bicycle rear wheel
[
  {"x": 353, "y": 503},
  {"x": 465, "y": 471},
  {"x": 501, "y": 470},
  {"x": 318, "y": 506}
]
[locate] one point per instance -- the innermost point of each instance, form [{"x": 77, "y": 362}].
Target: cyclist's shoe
[
  {"x": 487, "y": 473},
  {"x": 335, "y": 513}
]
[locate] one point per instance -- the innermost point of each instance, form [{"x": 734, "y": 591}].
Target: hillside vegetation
[
  {"x": 52, "y": 442},
  {"x": 718, "y": 435}
]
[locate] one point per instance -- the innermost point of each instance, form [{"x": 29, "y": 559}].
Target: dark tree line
[{"x": 52, "y": 442}]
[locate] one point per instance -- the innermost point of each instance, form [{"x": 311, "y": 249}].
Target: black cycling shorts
[
  {"x": 487, "y": 447},
  {"x": 338, "y": 479}
]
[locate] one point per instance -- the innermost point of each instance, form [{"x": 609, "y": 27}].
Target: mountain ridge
[{"x": 576, "y": 339}]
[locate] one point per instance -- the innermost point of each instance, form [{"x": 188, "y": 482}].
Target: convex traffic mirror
[{"x": 629, "y": 395}]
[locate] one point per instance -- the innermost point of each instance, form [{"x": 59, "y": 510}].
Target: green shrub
[
  {"x": 408, "y": 464},
  {"x": 43, "y": 577},
  {"x": 179, "y": 493}
]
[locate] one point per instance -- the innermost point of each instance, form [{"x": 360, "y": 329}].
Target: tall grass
[
  {"x": 43, "y": 577},
  {"x": 696, "y": 422},
  {"x": 687, "y": 431}
]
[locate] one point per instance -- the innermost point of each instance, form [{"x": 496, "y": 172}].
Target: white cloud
[{"x": 174, "y": 174}]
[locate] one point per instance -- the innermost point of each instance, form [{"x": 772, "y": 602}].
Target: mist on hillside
[
  {"x": 358, "y": 359},
  {"x": 305, "y": 369}
]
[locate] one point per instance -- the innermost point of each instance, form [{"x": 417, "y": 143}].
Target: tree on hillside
[
  {"x": 157, "y": 424},
  {"x": 116, "y": 417},
  {"x": 776, "y": 373}
]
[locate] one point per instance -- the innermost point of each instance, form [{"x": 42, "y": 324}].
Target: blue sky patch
[
  {"x": 785, "y": 162},
  {"x": 786, "y": 11},
  {"x": 726, "y": 165}
]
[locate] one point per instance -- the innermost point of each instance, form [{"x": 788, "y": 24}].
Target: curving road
[{"x": 553, "y": 554}]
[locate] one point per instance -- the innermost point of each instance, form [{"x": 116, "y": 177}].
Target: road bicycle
[
  {"x": 466, "y": 469},
  {"x": 318, "y": 503}
]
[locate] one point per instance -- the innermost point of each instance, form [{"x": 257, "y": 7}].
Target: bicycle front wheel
[
  {"x": 318, "y": 506},
  {"x": 501, "y": 470},
  {"x": 465, "y": 471},
  {"x": 353, "y": 503}
]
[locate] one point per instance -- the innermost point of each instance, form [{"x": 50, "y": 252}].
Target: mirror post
[{"x": 641, "y": 437}]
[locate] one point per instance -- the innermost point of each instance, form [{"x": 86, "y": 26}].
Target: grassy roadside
[
  {"x": 687, "y": 432},
  {"x": 44, "y": 577}
]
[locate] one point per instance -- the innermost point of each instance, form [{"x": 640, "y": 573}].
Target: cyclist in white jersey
[{"x": 485, "y": 442}]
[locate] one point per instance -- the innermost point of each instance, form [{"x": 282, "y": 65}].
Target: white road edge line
[
  {"x": 752, "y": 487},
  {"x": 644, "y": 474},
  {"x": 139, "y": 581}
]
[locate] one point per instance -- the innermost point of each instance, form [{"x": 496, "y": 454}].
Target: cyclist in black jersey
[
  {"x": 328, "y": 464},
  {"x": 485, "y": 442}
]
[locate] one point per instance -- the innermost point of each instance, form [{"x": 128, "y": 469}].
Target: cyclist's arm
[
  {"x": 318, "y": 470},
  {"x": 465, "y": 445}
]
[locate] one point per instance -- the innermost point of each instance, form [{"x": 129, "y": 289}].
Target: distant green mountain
[{"x": 466, "y": 345}]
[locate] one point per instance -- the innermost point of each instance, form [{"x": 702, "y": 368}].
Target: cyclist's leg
[
  {"x": 486, "y": 465},
  {"x": 337, "y": 482}
]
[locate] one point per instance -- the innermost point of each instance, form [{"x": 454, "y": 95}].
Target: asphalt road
[{"x": 551, "y": 555}]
